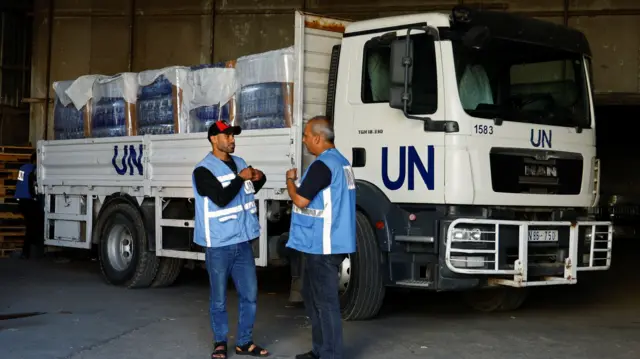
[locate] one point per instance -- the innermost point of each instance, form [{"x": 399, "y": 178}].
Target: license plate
[{"x": 543, "y": 236}]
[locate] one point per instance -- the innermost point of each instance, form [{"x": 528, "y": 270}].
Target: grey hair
[{"x": 320, "y": 125}]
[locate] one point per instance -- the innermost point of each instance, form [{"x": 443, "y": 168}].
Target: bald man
[{"x": 323, "y": 230}]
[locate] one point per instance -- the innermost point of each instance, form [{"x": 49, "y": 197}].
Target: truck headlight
[{"x": 464, "y": 234}]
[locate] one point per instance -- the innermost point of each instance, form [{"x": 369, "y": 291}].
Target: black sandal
[
  {"x": 252, "y": 349},
  {"x": 219, "y": 353}
]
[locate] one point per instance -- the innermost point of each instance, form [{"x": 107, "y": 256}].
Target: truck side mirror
[
  {"x": 401, "y": 74},
  {"x": 476, "y": 38}
]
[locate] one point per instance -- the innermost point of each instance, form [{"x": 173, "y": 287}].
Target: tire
[
  {"x": 168, "y": 271},
  {"x": 496, "y": 299},
  {"x": 120, "y": 226},
  {"x": 365, "y": 290}
]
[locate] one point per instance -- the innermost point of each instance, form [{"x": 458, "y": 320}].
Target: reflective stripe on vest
[
  {"x": 318, "y": 213},
  {"x": 225, "y": 180}
]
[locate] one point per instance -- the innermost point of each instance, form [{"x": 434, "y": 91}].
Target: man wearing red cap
[{"x": 225, "y": 224}]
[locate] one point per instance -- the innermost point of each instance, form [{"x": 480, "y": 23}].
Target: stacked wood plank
[{"x": 12, "y": 225}]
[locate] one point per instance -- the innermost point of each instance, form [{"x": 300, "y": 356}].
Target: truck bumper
[{"x": 517, "y": 253}]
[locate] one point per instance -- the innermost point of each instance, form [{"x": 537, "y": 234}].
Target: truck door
[{"x": 386, "y": 148}]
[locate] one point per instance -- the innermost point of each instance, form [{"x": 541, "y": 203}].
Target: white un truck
[{"x": 471, "y": 136}]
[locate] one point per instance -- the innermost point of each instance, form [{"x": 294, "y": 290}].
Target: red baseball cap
[{"x": 219, "y": 127}]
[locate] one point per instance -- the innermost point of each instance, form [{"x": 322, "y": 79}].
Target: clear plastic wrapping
[
  {"x": 265, "y": 99},
  {"x": 213, "y": 85},
  {"x": 162, "y": 101},
  {"x": 113, "y": 112},
  {"x": 68, "y": 121},
  {"x": 254, "y": 92}
]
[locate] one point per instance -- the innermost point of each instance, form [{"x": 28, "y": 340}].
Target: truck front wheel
[
  {"x": 124, "y": 257},
  {"x": 501, "y": 299},
  {"x": 361, "y": 278}
]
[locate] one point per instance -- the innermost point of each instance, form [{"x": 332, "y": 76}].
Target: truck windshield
[{"x": 523, "y": 82}]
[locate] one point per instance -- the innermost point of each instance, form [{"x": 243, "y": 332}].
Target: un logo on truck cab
[{"x": 408, "y": 162}]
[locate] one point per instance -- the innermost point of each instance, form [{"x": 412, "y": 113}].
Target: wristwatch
[{"x": 291, "y": 179}]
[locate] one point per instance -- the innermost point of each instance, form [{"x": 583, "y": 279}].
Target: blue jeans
[
  {"x": 235, "y": 260},
  {"x": 322, "y": 302}
]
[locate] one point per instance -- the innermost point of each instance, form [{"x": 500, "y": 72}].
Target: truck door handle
[{"x": 359, "y": 157}]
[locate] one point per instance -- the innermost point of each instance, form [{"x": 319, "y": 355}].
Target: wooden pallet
[
  {"x": 11, "y": 237},
  {"x": 11, "y": 216},
  {"x": 6, "y": 252},
  {"x": 9, "y": 174},
  {"x": 12, "y": 242},
  {"x": 7, "y": 194},
  {"x": 12, "y": 227},
  {"x": 12, "y": 231},
  {"x": 17, "y": 150}
]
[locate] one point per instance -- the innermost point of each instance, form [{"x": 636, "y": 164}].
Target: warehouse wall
[
  {"x": 15, "y": 67},
  {"x": 111, "y": 36}
]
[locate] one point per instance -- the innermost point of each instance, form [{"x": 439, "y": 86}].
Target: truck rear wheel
[
  {"x": 124, "y": 258},
  {"x": 168, "y": 271},
  {"x": 501, "y": 299},
  {"x": 361, "y": 277}
]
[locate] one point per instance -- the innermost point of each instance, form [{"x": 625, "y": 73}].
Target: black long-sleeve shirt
[{"x": 208, "y": 185}]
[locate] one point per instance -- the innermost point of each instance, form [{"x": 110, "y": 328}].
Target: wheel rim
[
  {"x": 344, "y": 275},
  {"x": 119, "y": 247}
]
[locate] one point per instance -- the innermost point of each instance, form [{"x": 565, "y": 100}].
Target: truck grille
[{"x": 535, "y": 171}]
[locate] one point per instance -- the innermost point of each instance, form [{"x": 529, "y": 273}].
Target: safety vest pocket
[
  {"x": 303, "y": 229},
  {"x": 224, "y": 224}
]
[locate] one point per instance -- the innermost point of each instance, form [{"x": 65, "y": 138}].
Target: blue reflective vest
[
  {"x": 237, "y": 222},
  {"x": 22, "y": 185},
  {"x": 328, "y": 224}
]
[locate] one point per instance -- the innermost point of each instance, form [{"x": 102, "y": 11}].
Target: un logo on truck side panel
[
  {"x": 130, "y": 160},
  {"x": 409, "y": 161}
]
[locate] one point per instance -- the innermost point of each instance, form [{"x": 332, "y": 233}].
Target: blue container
[
  {"x": 201, "y": 118},
  {"x": 155, "y": 108},
  {"x": 108, "y": 118},
  {"x": 262, "y": 106},
  {"x": 68, "y": 122}
]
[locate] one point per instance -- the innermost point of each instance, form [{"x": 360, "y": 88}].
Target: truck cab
[{"x": 472, "y": 137}]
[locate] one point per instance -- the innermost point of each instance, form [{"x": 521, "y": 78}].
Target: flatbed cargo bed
[{"x": 82, "y": 173}]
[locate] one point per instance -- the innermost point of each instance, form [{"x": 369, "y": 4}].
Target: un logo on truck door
[{"x": 408, "y": 163}]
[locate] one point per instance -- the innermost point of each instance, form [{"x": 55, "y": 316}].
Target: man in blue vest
[
  {"x": 225, "y": 224},
  {"x": 323, "y": 229},
  {"x": 30, "y": 208}
]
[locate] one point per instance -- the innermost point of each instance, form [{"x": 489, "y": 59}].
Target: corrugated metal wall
[{"x": 111, "y": 36}]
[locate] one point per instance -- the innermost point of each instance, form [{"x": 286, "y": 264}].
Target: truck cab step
[{"x": 415, "y": 283}]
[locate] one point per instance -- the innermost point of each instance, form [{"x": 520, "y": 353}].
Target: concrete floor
[{"x": 86, "y": 318}]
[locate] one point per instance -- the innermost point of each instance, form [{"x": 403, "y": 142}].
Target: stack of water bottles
[
  {"x": 68, "y": 122},
  {"x": 160, "y": 103},
  {"x": 113, "y": 109},
  {"x": 265, "y": 99},
  {"x": 213, "y": 84}
]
